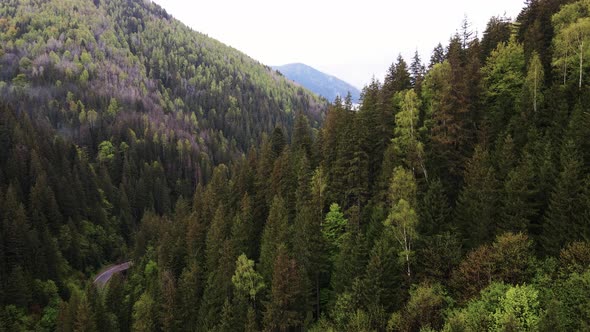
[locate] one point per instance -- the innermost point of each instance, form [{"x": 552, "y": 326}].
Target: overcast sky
[{"x": 352, "y": 40}]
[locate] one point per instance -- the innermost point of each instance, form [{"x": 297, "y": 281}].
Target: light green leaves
[{"x": 246, "y": 280}]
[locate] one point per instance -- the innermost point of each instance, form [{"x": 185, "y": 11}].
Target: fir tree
[{"x": 565, "y": 219}]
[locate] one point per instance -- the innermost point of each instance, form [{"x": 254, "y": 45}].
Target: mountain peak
[{"x": 323, "y": 84}]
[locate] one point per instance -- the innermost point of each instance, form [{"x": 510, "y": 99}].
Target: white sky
[{"x": 353, "y": 40}]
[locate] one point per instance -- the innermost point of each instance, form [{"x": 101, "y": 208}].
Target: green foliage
[
  {"x": 144, "y": 313},
  {"x": 274, "y": 235},
  {"x": 402, "y": 220},
  {"x": 333, "y": 229},
  {"x": 283, "y": 310},
  {"x": 572, "y": 37},
  {"x": 463, "y": 178},
  {"x": 247, "y": 281},
  {"x": 425, "y": 309},
  {"x": 518, "y": 310},
  {"x": 106, "y": 152}
]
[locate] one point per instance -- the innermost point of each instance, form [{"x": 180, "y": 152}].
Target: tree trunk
[
  {"x": 535, "y": 92},
  {"x": 581, "y": 59}
]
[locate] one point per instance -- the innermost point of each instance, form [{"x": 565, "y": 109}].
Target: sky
[{"x": 352, "y": 40}]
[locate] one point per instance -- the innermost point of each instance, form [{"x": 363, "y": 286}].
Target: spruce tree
[
  {"x": 476, "y": 211},
  {"x": 284, "y": 311},
  {"x": 276, "y": 233},
  {"x": 565, "y": 219},
  {"x": 435, "y": 210}
]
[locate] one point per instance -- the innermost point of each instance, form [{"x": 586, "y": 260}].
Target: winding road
[{"x": 104, "y": 277}]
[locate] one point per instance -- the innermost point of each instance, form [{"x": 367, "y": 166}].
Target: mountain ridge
[{"x": 323, "y": 84}]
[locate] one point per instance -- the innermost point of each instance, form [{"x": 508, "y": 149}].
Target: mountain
[
  {"x": 111, "y": 112},
  {"x": 323, "y": 84},
  {"x": 65, "y": 62},
  {"x": 454, "y": 198}
]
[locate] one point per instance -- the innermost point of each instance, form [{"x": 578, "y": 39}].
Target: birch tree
[
  {"x": 534, "y": 80},
  {"x": 572, "y": 37},
  {"x": 403, "y": 219},
  {"x": 406, "y": 142}
]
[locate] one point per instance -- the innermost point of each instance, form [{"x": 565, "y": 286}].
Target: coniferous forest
[{"x": 455, "y": 197}]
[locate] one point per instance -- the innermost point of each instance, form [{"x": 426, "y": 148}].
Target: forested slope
[
  {"x": 95, "y": 69},
  {"x": 457, "y": 198},
  {"x": 110, "y": 109}
]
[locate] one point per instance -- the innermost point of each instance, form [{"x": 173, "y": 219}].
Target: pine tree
[
  {"x": 518, "y": 205},
  {"x": 84, "y": 320},
  {"x": 242, "y": 233},
  {"x": 398, "y": 78},
  {"x": 277, "y": 142},
  {"x": 144, "y": 315},
  {"x": 363, "y": 150},
  {"x": 284, "y": 309},
  {"x": 227, "y": 321},
  {"x": 417, "y": 72},
  {"x": 168, "y": 303},
  {"x": 435, "y": 210},
  {"x": 307, "y": 241},
  {"x": 216, "y": 235},
  {"x": 190, "y": 290},
  {"x": 565, "y": 219},
  {"x": 498, "y": 30},
  {"x": 218, "y": 287},
  {"x": 438, "y": 56},
  {"x": 276, "y": 233},
  {"x": 446, "y": 123},
  {"x": 350, "y": 262},
  {"x": 476, "y": 211},
  {"x": 302, "y": 137},
  {"x": 14, "y": 229},
  {"x": 382, "y": 282}
]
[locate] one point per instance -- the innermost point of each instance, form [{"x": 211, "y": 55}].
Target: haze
[{"x": 351, "y": 40}]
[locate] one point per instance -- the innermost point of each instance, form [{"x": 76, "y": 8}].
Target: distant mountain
[{"x": 322, "y": 84}]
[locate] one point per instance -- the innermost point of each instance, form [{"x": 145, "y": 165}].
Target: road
[{"x": 104, "y": 277}]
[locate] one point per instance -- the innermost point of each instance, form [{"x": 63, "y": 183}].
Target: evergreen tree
[
  {"x": 498, "y": 30},
  {"x": 438, "y": 56},
  {"x": 284, "y": 309},
  {"x": 216, "y": 236},
  {"x": 435, "y": 210},
  {"x": 382, "y": 282},
  {"x": 518, "y": 199},
  {"x": 276, "y": 233},
  {"x": 476, "y": 211},
  {"x": 417, "y": 72},
  {"x": 190, "y": 290},
  {"x": 242, "y": 232},
  {"x": 302, "y": 136},
  {"x": 566, "y": 217},
  {"x": 84, "y": 320},
  {"x": 144, "y": 314}
]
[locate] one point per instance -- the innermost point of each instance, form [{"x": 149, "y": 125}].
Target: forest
[{"x": 456, "y": 197}]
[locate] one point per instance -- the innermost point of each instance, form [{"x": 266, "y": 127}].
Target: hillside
[
  {"x": 68, "y": 61},
  {"x": 320, "y": 83},
  {"x": 108, "y": 110}
]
